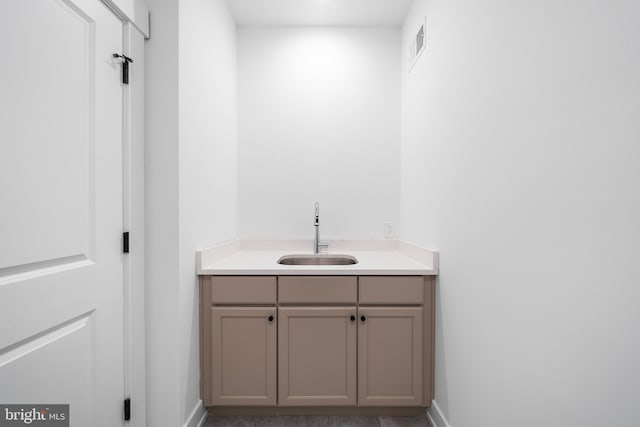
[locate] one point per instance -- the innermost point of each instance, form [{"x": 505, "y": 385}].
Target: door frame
[{"x": 135, "y": 19}]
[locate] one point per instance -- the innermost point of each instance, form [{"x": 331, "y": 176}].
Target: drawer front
[
  {"x": 392, "y": 290},
  {"x": 243, "y": 290},
  {"x": 314, "y": 290}
]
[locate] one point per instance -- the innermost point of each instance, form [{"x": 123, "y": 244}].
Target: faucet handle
[{"x": 323, "y": 245}]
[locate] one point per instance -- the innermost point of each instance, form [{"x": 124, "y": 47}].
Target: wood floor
[{"x": 315, "y": 421}]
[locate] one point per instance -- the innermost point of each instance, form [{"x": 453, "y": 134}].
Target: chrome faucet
[{"x": 317, "y": 244}]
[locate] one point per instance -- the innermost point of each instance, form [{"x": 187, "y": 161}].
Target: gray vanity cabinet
[
  {"x": 295, "y": 341},
  {"x": 238, "y": 341}
]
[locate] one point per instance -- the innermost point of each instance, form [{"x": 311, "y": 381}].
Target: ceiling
[{"x": 319, "y": 12}]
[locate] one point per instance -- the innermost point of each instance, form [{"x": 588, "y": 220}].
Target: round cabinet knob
[
  {"x": 270, "y": 318},
  {"x": 363, "y": 318},
  {"x": 353, "y": 318}
]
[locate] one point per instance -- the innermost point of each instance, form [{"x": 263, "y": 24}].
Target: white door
[{"x": 61, "y": 263}]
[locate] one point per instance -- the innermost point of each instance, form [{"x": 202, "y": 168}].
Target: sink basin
[{"x": 317, "y": 259}]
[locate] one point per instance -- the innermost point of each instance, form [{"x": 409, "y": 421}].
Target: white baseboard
[
  {"x": 197, "y": 416},
  {"x": 436, "y": 417}
]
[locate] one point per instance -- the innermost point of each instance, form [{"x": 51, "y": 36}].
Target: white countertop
[{"x": 259, "y": 257}]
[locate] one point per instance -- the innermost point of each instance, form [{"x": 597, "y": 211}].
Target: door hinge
[
  {"x": 127, "y": 409},
  {"x": 125, "y": 242},
  {"x": 125, "y": 67}
]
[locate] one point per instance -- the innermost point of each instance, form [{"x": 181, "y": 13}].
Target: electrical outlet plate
[{"x": 387, "y": 230}]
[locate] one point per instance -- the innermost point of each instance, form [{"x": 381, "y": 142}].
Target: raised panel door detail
[
  {"x": 243, "y": 345},
  {"x": 390, "y": 363},
  {"x": 317, "y": 356},
  {"x": 46, "y": 129}
]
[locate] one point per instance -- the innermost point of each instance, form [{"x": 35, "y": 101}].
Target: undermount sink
[{"x": 317, "y": 259}]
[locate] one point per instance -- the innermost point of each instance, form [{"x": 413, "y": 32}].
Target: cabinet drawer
[
  {"x": 392, "y": 290},
  {"x": 321, "y": 289},
  {"x": 243, "y": 290}
]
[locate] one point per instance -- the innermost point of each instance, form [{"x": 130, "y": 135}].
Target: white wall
[
  {"x": 161, "y": 217},
  {"x": 319, "y": 120},
  {"x": 520, "y": 163},
  {"x": 190, "y": 188},
  {"x": 207, "y": 159}
]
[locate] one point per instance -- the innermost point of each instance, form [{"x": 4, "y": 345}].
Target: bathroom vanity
[{"x": 290, "y": 338}]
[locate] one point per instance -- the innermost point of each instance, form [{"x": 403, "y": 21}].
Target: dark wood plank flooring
[{"x": 315, "y": 421}]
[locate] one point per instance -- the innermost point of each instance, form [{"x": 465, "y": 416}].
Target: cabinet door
[
  {"x": 390, "y": 356},
  {"x": 317, "y": 356},
  {"x": 243, "y": 346}
]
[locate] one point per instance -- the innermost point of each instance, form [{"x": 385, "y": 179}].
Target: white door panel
[
  {"x": 61, "y": 266},
  {"x": 46, "y": 118},
  {"x": 29, "y": 362}
]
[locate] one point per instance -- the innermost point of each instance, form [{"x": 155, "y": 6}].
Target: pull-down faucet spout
[{"x": 317, "y": 244}]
